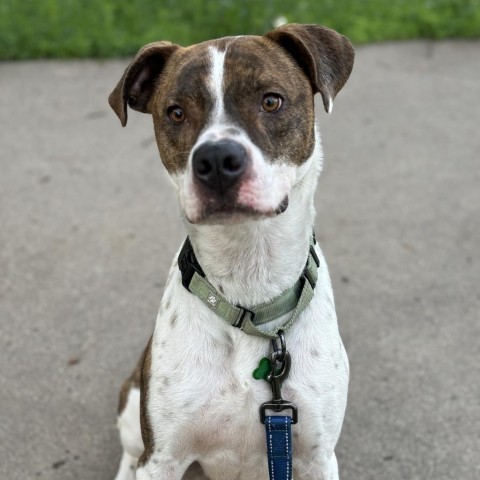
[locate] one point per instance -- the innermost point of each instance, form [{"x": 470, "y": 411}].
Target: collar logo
[{"x": 212, "y": 300}]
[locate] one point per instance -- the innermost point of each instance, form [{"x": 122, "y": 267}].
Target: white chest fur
[{"x": 204, "y": 402}]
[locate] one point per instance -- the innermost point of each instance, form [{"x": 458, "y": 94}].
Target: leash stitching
[
  {"x": 271, "y": 448},
  {"x": 287, "y": 455}
]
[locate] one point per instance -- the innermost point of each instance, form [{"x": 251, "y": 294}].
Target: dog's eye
[
  {"x": 271, "y": 102},
  {"x": 176, "y": 115}
]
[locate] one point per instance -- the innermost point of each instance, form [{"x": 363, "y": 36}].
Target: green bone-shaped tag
[{"x": 263, "y": 370}]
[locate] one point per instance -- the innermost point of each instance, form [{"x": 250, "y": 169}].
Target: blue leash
[{"x": 279, "y": 447}]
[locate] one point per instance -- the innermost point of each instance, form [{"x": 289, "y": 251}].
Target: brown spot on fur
[
  {"x": 147, "y": 431},
  {"x": 133, "y": 381},
  {"x": 173, "y": 320}
]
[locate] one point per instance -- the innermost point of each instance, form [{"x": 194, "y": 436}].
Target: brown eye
[
  {"x": 271, "y": 102},
  {"x": 176, "y": 115}
]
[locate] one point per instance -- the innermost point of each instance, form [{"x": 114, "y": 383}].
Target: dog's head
[{"x": 234, "y": 117}]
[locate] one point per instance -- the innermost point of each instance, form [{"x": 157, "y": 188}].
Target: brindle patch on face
[
  {"x": 254, "y": 67},
  {"x": 184, "y": 83}
]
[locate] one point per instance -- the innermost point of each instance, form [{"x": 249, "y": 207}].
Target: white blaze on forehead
[
  {"x": 216, "y": 81},
  {"x": 267, "y": 184}
]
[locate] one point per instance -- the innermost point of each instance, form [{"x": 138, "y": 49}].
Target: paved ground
[{"x": 89, "y": 224}]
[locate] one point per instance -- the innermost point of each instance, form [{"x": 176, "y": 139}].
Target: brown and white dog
[{"x": 235, "y": 126}]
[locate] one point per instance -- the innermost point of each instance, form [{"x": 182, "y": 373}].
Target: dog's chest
[
  {"x": 201, "y": 383},
  {"x": 204, "y": 404},
  {"x": 202, "y": 394}
]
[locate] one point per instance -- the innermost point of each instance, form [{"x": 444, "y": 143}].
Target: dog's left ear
[
  {"x": 324, "y": 55},
  {"x": 137, "y": 84}
]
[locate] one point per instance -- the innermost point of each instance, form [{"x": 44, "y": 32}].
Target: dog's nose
[{"x": 218, "y": 165}]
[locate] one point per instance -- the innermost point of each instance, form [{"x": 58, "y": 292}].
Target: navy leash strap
[{"x": 279, "y": 447}]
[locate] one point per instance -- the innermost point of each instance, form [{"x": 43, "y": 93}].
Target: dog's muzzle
[{"x": 219, "y": 165}]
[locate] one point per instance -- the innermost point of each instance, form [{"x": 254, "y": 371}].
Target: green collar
[{"x": 294, "y": 300}]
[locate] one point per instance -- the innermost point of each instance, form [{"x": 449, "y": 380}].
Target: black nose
[{"x": 218, "y": 165}]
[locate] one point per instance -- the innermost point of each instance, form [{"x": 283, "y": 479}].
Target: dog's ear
[
  {"x": 137, "y": 84},
  {"x": 323, "y": 54}
]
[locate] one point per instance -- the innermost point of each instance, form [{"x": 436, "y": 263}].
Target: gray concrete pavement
[{"x": 89, "y": 223}]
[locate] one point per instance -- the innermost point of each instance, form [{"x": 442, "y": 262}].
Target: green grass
[{"x": 106, "y": 28}]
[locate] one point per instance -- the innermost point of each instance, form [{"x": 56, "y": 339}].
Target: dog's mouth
[{"x": 228, "y": 213}]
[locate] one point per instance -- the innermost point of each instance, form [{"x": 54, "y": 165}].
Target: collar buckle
[{"x": 242, "y": 317}]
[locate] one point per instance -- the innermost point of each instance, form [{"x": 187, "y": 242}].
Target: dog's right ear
[
  {"x": 325, "y": 56},
  {"x": 137, "y": 84}
]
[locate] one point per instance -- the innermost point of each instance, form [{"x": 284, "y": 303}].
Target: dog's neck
[{"x": 253, "y": 262}]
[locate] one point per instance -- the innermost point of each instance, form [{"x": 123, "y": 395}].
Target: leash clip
[
  {"x": 280, "y": 362},
  {"x": 278, "y": 407}
]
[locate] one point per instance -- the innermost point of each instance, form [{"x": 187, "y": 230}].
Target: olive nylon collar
[{"x": 294, "y": 300}]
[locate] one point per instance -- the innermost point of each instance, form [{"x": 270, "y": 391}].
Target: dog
[{"x": 234, "y": 121}]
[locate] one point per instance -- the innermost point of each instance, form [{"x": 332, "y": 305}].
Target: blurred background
[
  {"x": 89, "y": 225},
  {"x": 106, "y": 28}
]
